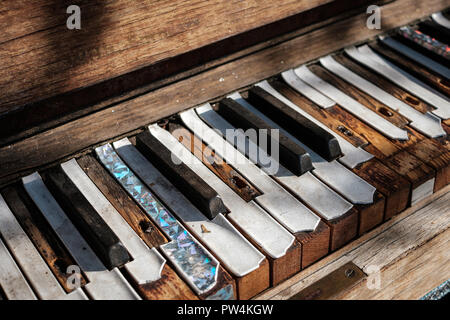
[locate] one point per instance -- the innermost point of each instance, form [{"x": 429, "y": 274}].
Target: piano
[{"x": 224, "y": 150}]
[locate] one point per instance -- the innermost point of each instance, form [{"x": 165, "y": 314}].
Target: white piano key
[
  {"x": 350, "y": 185},
  {"x": 223, "y": 239},
  {"x": 259, "y": 225},
  {"x": 30, "y": 261},
  {"x": 441, "y": 19},
  {"x": 147, "y": 263},
  {"x": 369, "y": 58},
  {"x": 103, "y": 284},
  {"x": 428, "y": 123},
  {"x": 291, "y": 213},
  {"x": 308, "y": 91},
  {"x": 352, "y": 157},
  {"x": 12, "y": 281},
  {"x": 416, "y": 56},
  {"x": 354, "y": 107},
  {"x": 310, "y": 189},
  {"x": 197, "y": 266}
]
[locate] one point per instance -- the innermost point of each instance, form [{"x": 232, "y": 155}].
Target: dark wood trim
[{"x": 35, "y": 117}]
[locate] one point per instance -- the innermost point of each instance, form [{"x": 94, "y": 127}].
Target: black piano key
[
  {"x": 186, "y": 180},
  {"x": 292, "y": 156},
  {"x": 421, "y": 43},
  {"x": 90, "y": 224},
  {"x": 436, "y": 31},
  {"x": 318, "y": 139}
]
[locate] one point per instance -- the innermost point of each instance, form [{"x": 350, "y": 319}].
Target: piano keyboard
[{"x": 199, "y": 206}]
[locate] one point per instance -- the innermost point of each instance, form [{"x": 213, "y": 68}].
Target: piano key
[
  {"x": 363, "y": 194},
  {"x": 91, "y": 225},
  {"x": 391, "y": 152},
  {"x": 310, "y": 242},
  {"x": 198, "y": 192},
  {"x": 434, "y": 152},
  {"x": 281, "y": 248},
  {"x": 12, "y": 282},
  {"x": 122, "y": 202},
  {"x": 280, "y": 204},
  {"x": 147, "y": 264},
  {"x": 254, "y": 268},
  {"x": 416, "y": 56},
  {"x": 28, "y": 258},
  {"x": 367, "y": 57},
  {"x": 103, "y": 284},
  {"x": 394, "y": 187},
  {"x": 308, "y": 91},
  {"x": 436, "y": 81},
  {"x": 196, "y": 265},
  {"x": 342, "y": 219},
  {"x": 352, "y": 106},
  {"x": 424, "y": 43},
  {"x": 291, "y": 155},
  {"x": 170, "y": 286},
  {"x": 41, "y": 234},
  {"x": 441, "y": 19},
  {"x": 223, "y": 170},
  {"x": 365, "y": 197},
  {"x": 351, "y": 156},
  {"x": 312, "y": 135},
  {"x": 435, "y": 30},
  {"x": 425, "y": 123},
  {"x": 302, "y": 222}
]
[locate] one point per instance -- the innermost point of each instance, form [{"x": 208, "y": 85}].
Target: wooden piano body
[{"x": 64, "y": 93}]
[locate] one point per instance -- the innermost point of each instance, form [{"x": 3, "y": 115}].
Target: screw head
[{"x": 349, "y": 273}]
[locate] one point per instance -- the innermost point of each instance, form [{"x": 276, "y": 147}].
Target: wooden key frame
[
  {"x": 369, "y": 215},
  {"x": 435, "y": 153},
  {"x": 310, "y": 246},
  {"x": 434, "y": 80},
  {"x": 388, "y": 151},
  {"x": 101, "y": 238},
  {"x": 279, "y": 269},
  {"x": 170, "y": 286},
  {"x": 200, "y": 193},
  {"x": 292, "y": 156},
  {"x": 41, "y": 234},
  {"x": 391, "y": 152},
  {"x": 342, "y": 229}
]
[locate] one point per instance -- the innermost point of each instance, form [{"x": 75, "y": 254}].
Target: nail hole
[
  {"x": 345, "y": 131},
  {"x": 385, "y": 111},
  {"x": 349, "y": 273},
  {"x": 145, "y": 226},
  {"x": 412, "y": 100}
]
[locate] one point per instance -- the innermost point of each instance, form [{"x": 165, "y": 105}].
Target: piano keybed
[{"x": 192, "y": 208}]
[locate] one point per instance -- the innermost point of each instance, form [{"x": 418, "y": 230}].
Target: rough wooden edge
[{"x": 335, "y": 260}]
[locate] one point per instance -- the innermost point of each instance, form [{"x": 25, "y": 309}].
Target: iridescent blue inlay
[
  {"x": 184, "y": 251},
  {"x": 426, "y": 41},
  {"x": 226, "y": 293}
]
